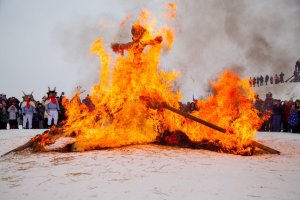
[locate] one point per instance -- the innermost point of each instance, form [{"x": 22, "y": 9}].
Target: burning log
[
  {"x": 40, "y": 141},
  {"x": 153, "y": 104},
  {"x": 20, "y": 148},
  {"x": 215, "y": 127}
]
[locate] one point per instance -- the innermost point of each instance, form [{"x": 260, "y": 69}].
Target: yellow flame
[{"x": 121, "y": 118}]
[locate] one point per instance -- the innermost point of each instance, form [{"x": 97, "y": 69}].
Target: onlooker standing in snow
[
  {"x": 294, "y": 120},
  {"x": 281, "y": 77},
  {"x": 13, "y": 115},
  {"x": 276, "y": 116},
  {"x": 261, "y": 79},
  {"x": 257, "y": 81},
  {"x": 287, "y": 111},
  {"x": 268, "y": 109},
  {"x": 253, "y": 81},
  {"x": 277, "y": 79},
  {"x": 271, "y": 80},
  {"x": 266, "y": 79},
  {"x": 297, "y": 66},
  {"x": 3, "y": 115},
  {"x": 40, "y": 110}
]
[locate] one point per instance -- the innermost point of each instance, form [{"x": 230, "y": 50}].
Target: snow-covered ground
[
  {"x": 283, "y": 91},
  {"x": 150, "y": 172}
]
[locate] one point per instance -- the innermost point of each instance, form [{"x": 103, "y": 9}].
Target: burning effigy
[{"x": 136, "y": 102}]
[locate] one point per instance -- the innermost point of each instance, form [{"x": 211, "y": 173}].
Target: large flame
[{"x": 119, "y": 117}]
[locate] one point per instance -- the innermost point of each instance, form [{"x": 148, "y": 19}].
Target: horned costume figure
[
  {"x": 139, "y": 42},
  {"x": 52, "y": 107},
  {"x": 28, "y": 108}
]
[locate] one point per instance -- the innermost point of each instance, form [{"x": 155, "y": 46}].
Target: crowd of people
[
  {"x": 284, "y": 115},
  {"x": 264, "y": 80},
  {"x": 278, "y": 115},
  {"x": 276, "y": 79},
  {"x": 31, "y": 113}
]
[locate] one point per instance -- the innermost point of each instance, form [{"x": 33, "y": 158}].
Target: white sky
[{"x": 46, "y": 42}]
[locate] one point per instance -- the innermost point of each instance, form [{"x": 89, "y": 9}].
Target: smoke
[{"x": 261, "y": 36}]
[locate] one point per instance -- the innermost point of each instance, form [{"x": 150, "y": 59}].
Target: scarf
[
  {"x": 28, "y": 104},
  {"x": 53, "y": 100}
]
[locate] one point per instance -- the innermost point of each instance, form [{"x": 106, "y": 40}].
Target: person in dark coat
[
  {"x": 261, "y": 79},
  {"x": 277, "y": 79},
  {"x": 277, "y": 116},
  {"x": 268, "y": 107},
  {"x": 266, "y": 79},
  {"x": 257, "y": 81},
  {"x": 294, "y": 120},
  {"x": 287, "y": 111},
  {"x": 297, "y": 65},
  {"x": 271, "y": 79},
  {"x": 254, "y": 81},
  {"x": 3, "y": 115},
  {"x": 281, "y": 75}
]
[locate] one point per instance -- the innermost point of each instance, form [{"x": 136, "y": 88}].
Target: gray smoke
[{"x": 262, "y": 37}]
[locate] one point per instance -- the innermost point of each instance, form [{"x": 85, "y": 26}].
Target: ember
[{"x": 136, "y": 103}]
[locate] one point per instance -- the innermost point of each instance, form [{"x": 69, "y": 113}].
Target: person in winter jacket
[
  {"x": 294, "y": 120},
  {"x": 3, "y": 115},
  {"x": 277, "y": 116},
  {"x": 13, "y": 115}
]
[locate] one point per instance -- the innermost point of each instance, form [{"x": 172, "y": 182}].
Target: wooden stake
[{"x": 215, "y": 127}]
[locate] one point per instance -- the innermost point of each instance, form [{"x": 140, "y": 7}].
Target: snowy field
[
  {"x": 283, "y": 91},
  {"x": 150, "y": 172}
]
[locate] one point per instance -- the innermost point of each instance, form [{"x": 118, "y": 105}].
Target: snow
[
  {"x": 150, "y": 172},
  {"x": 283, "y": 91}
]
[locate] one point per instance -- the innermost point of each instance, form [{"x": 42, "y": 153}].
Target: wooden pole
[
  {"x": 215, "y": 127},
  {"x": 20, "y": 148}
]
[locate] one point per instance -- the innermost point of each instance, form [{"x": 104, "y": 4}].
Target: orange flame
[{"x": 119, "y": 117}]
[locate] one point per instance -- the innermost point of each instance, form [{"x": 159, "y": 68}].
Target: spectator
[
  {"x": 250, "y": 82},
  {"x": 35, "y": 118},
  {"x": 281, "y": 77},
  {"x": 62, "y": 115},
  {"x": 254, "y": 81},
  {"x": 294, "y": 120},
  {"x": 13, "y": 115},
  {"x": 40, "y": 111},
  {"x": 277, "y": 79},
  {"x": 276, "y": 116},
  {"x": 257, "y": 81},
  {"x": 296, "y": 76},
  {"x": 3, "y": 115},
  {"x": 297, "y": 65},
  {"x": 3, "y": 97},
  {"x": 287, "y": 111},
  {"x": 267, "y": 79},
  {"x": 261, "y": 78},
  {"x": 271, "y": 80},
  {"x": 268, "y": 109}
]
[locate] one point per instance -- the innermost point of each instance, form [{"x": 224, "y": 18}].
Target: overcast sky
[{"x": 46, "y": 42}]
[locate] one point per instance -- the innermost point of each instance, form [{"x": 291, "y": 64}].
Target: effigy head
[{"x": 137, "y": 32}]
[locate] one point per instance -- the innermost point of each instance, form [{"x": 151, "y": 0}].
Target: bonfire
[{"x": 136, "y": 102}]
